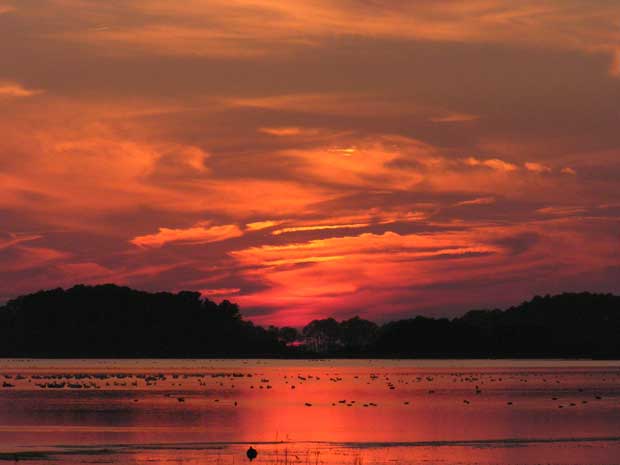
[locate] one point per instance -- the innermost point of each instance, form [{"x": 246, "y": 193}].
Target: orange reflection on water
[{"x": 310, "y": 412}]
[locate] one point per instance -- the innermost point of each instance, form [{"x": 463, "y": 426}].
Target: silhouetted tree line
[
  {"x": 113, "y": 321},
  {"x": 566, "y": 325}
]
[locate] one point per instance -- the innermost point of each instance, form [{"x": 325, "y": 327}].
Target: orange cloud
[
  {"x": 258, "y": 225},
  {"x": 454, "y": 118},
  {"x": 478, "y": 201},
  {"x": 414, "y": 245},
  {"x": 537, "y": 167},
  {"x": 309, "y": 170},
  {"x": 289, "y": 131},
  {"x": 16, "y": 90},
  {"x": 499, "y": 165},
  {"x": 369, "y": 163},
  {"x": 352, "y": 271},
  {"x": 393, "y": 272},
  {"x": 357, "y": 221},
  {"x": 493, "y": 163},
  {"x": 219, "y": 292},
  {"x": 251, "y": 28},
  {"x": 318, "y": 228},
  {"x": 562, "y": 210},
  {"x": 194, "y": 235}
]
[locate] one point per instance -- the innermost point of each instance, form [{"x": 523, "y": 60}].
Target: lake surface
[{"x": 310, "y": 412}]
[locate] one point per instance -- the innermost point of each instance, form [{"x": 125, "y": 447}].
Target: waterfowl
[{"x": 251, "y": 453}]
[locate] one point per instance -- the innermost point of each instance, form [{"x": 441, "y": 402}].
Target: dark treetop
[{"x": 113, "y": 321}]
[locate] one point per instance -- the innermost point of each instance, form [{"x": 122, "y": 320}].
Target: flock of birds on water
[{"x": 186, "y": 386}]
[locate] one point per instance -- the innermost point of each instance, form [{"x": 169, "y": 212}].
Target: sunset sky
[{"x": 312, "y": 158}]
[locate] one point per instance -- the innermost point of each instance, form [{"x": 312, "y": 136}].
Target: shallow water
[{"x": 310, "y": 412}]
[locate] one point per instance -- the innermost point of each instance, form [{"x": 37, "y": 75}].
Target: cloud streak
[
  {"x": 493, "y": 163},
  {"x": 15, "y": 90},
  {"x": 194, "y": 235}
]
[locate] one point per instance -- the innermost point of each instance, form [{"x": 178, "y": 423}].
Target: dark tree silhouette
[
  {"x": 566, "y": 325},
  {"x": 288, "y": 335},
  {"x": 113, "y": 321},
  {"x": 322, "y": 335},
  {"x": 358, "y": 335}
]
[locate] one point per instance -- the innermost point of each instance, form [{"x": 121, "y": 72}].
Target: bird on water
[{"x": 251, "y": 453}]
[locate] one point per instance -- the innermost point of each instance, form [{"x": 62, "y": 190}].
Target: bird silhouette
[{"x": 251, "y": 453}]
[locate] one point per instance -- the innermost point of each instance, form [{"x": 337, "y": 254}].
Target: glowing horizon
[{"x": 306, "y": 159}]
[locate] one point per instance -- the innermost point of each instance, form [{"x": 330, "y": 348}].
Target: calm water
[{"x": 310, "y": 412}]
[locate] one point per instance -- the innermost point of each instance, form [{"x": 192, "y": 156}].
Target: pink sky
[{"x": 312, "y": 158}]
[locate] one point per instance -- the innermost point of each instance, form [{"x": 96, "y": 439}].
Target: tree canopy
[{"x": 114, "y": 321}]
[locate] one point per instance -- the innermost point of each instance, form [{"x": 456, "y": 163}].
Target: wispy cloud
[
  {"x": 194, "y": 235},
  {"x": 258, "y": 225},
  {"x": 289, "y": 131},
  {"x": 322, "y": 227},
  {"x": 251, "y": 28},
  {"x": 10, "y": 89},
  {"x": 537, "y": 167},
  {"x": 220, "y": 292},
  {"x": 478, "y": 201},
  {"x": 455, "y": 118},
  {"x": 493, "y": 163},
  {"x": 11, "y": 240},
  {"x": 562, "y": 210}
]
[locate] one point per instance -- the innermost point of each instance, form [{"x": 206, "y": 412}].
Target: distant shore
[{"x": 109, "y": 321}]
